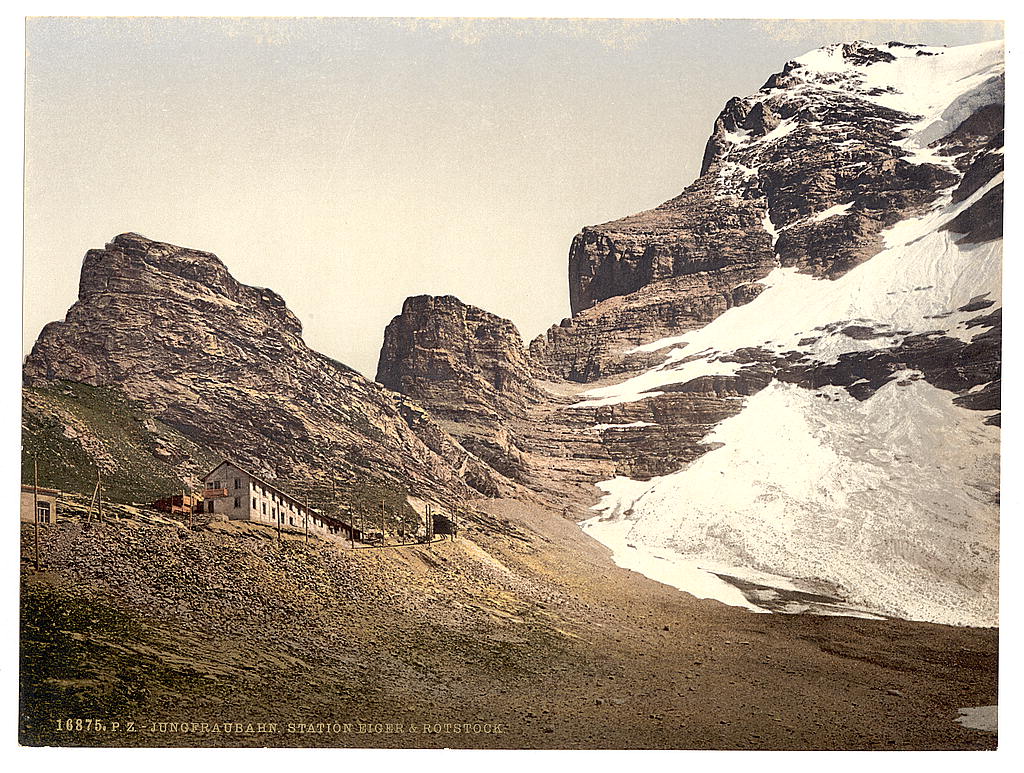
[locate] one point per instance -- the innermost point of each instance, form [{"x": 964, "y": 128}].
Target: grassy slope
[{"x": 76, "y": 430}]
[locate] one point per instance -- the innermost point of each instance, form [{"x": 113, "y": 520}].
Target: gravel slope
[{"x": 523, "y": 625}]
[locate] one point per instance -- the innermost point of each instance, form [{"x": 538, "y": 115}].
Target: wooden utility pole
[
  {"x": 35, "y": 504},
  {"x": 92, "y": 499},
  {"x": 99, "y": 503},
  {"x": 279, "y": 518}
]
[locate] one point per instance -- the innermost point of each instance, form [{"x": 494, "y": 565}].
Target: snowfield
[
  {"x": 889, "y": 504},
  {"x": 891, "y": 500},
  {"x": 915, "y": 285}
]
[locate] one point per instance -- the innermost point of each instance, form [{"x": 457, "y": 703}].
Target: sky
[{"x": 350, "y": 163}]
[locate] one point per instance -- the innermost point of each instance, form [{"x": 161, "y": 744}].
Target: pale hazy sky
[{"x": 348, "y": 164}]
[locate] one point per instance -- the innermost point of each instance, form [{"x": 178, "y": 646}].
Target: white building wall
[
  {"x": 257, "y": 502},
  {"x": 46, "y": 503}
]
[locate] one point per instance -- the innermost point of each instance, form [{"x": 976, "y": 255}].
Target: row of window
[
  {"x": 275, "y": 513},
  {"x": 215, "y": 484}
]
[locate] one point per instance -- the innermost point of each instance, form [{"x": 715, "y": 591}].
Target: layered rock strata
[
  {"x": 225, "y": 364},
  {"x": 468, "y": 368}
]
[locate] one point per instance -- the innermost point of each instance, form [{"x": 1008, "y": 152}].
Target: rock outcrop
[
  {"x": 836, "y": 265},
  {"x": 836, "y": 261},
  {"x": 601, "y": 341},
  {"x": 807, "y": 172},
  {"x": 468, "y": 367},
  {"x": 225, "y": 365}
]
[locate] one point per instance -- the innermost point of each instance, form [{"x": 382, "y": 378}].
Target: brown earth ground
[{"x": 521, "y": 633}]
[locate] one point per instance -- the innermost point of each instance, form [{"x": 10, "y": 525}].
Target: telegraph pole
[
  {"x": 35, "y": 504},
  {"x": 92, "y": 500},
  {"x": 351, "y": 524}
]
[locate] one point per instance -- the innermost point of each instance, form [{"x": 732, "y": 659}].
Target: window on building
[
  {"x": 264, "y": 508},
  {"x": 43, "y": 512},
  {"x": 209, "y": 506},
  {"x": 238, "y": 483},
  {"x": 238, "y": 502},
  {"x": 254, "y": 503},
  {"x": 291, "y": 521}
]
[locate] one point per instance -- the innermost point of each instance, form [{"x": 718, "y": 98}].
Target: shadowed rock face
[
  {"x": 696, "y": 233},
  {"x": 597, "y": 342},
  {"x": 442, "y": 347},
  {"x": 800, "y": 174},
  {"x": 775, "y": 166},
  {"x": 468, "y": 367},
  {"x": 225, "y": 364},
  {"x": 797, "y": 175}
]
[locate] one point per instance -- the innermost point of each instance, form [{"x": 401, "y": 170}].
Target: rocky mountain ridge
[
  {"x": 225, "y": 365},
  {"x": 845, "y": 233},
  {"x": 841, "y": 248}
]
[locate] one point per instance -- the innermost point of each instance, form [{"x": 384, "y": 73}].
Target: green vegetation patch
[{"x": 76, "y": 430}]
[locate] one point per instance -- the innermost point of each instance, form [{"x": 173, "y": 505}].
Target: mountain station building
[
  {"x": 45, "y": 500},
  {"x": 238, "y": 495}
]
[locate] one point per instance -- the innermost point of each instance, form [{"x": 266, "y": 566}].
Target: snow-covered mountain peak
[
  {"x": 938, "y": 86},
  {"x": 826, "y": 409}
]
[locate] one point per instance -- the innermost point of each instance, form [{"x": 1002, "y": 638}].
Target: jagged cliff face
[
  {"x": 786, "y": 380},
  {"x": 464, "y": 360},
  {"x": 468, "y": 368},
  {"x": 807, "y": 172},
  {"x": 861, "y": 468},
  {"x": 225, "y": 365}
]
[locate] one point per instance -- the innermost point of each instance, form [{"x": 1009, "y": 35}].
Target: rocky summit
[
  {"x": 468, "y": 368},
  {"x": 225, "y": 365}
]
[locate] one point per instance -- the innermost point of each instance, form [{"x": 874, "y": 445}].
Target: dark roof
[{"x": 28, "y": 487}]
